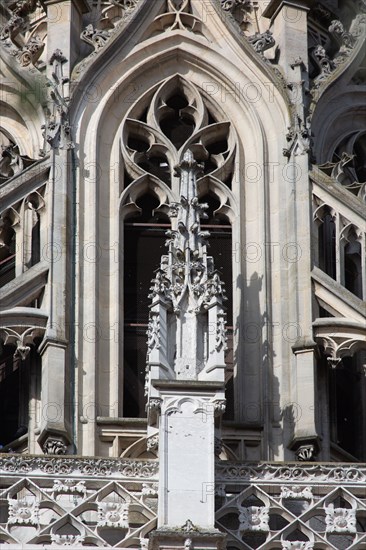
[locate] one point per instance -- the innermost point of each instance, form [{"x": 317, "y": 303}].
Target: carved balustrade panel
[
  {"x": 280, "y": 506},
  {"x": 77, "y": 502}
]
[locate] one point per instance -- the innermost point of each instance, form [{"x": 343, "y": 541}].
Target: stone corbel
[
  {"x": 54, "y": 445},
  {"x": 219, "y": 407},
  {"x": 305, "y": 453},
  {"x": 20, "y": 328},
  {"x": 339, "y": 338},
  {"x": 337, "y": 348},
  {"x": 11, "y": 337},
  {"x": 305, "y": 448},
  {"x": 154, "y": 410}
]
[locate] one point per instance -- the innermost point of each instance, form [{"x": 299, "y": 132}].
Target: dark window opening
[
  {"x": 218, "y": 147},
  {"x": 158, "y": 166},
  {"x": 154, "y": 163},
  {"x": 7, "y": 258},
  {"x": 360, "y": 158},
  {"x": 126, "y": 179},
  {"x": 352, "y": 268},
  {"x": 297, "y": 535},
  {"x": 218, "y": 150},
  {"x": 355, "y": 169},
  {"x": 13, "y": 396},
  {"x": 178, "y": 124},
  {"x": 144, "y": 244},
  {"x": 138, "y": 144},
  {"x": 324, "y": 313},
  {"x": 327, "y": 246},
  {"x": 36, "y": 242},
  {"x": 227, "y": 177},
  {"x": 211, "y": 118},
  {"x": 346, "y": 406}
]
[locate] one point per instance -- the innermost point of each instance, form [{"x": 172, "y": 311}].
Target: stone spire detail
[
  {"x": 187, "y": 333},
  {"x": 185, "y": 379}
]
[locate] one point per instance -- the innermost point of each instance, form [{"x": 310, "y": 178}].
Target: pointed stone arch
[{"x": 252, "y": 110}]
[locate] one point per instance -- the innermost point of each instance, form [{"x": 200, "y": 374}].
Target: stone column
[
  {"x": 64, "y": 27},
  {"x": 56, "y": 393},
  {"x": 289, "y": 24}
]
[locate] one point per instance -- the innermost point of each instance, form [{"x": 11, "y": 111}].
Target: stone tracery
[{"x": 176, "y": 119}]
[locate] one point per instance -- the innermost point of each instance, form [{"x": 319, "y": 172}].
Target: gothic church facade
[{"x": 183, "y": 274}]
